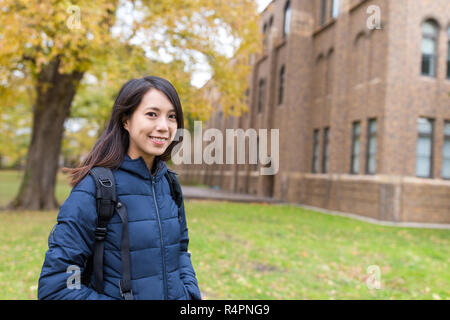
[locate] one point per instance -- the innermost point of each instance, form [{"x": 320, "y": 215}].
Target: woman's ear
[{"x": 125, "y": 122}]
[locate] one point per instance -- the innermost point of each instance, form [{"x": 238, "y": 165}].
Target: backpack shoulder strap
[
  {"x": 107, "y": 203},
  {"x": 106, "y": 198},
  {"x": 175, "y": 187}
]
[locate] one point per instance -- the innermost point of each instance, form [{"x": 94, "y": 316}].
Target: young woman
[{"x": 138, "y": 140}]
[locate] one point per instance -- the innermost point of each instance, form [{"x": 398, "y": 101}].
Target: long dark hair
[{"x": 110, "y": 148}]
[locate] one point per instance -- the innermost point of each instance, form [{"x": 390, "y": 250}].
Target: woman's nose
[{"x": 162, "y": 124}]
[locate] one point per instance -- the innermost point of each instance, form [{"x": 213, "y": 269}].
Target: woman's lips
[{"x": 158, "y": 141}]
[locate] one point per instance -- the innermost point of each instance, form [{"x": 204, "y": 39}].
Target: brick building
[{"x": 360, "y": 93}]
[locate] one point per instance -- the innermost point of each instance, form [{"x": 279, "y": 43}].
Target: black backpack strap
[
  {"x": 106, "y": 201},
  {"x": 125, "y": 282},
  {"x": 175, "y": 189}
]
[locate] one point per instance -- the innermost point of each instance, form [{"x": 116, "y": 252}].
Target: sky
[
  {"x": 203, "y": 74},
  {"x": 202, "y": 71},
  {"x": 199, "y": 78},
  {"x": 262, "y": 4}
]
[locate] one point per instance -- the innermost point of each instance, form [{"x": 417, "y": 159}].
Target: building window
[
  {"x": 319, "y": 76},
  {"x": 334, "y": 8},
  {"x": 424, "y": 156},
  {"x": 448, "y": 54},
  {"x": 281, "y": 86},
  {"x": 360, "y": 56},
  {"x": 446, "y": 152},
  {"x": 265, "y": 36},
  {"x": 247, "y": 96},
  {"x": 323, "y": 11},
  {"x": 356, "y": 137},
  {"x": 325, "y": 150},
  {"x": 315, "y": 161},
  {"x": 255, "y": 165},
  {"x": 261, "y": 95},
  {"x": 429, "y": 48},
  {"x": 371, "y": 158},
  {"x": 231, "y": 118},
  {"x": 329, "y": 73},
  {"x": 287, "y": 19}
]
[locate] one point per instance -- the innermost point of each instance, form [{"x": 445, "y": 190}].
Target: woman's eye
[
  {"x": 151, "y": 113},
  {"x": 173, "y": 116}
]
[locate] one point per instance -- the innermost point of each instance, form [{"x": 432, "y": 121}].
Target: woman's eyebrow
[{"x": 158, "y": 109}]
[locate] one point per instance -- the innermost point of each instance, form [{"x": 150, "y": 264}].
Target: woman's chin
[{"x": 155, "y": 151}]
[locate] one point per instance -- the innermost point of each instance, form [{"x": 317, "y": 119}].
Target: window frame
[
  {"x": 430, "y": 136},
  {"x": 265, "y": 36},
  {"x": 353, "y": 154},
  {"x": 287, "y": 19},
  {"x": 371, "y": 134},
  {"x": 261, "y": 89},
  {"x": 255, "y": 165},
  {"x": 446, "y": 140},
  {"x": 334, "y": 8},
  {"x": 433, "y": 57},
  {"x": 448, "y": 53},
  {"x": 323, "y": 12},
  {"x": 325, "y": 149},
  {"x": 281, "y": 76},
  {"x": 316, "y": 151}
]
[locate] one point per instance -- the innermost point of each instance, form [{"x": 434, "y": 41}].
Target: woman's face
[{"x": 151, "y": 127}]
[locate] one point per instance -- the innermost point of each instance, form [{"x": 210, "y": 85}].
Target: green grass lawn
[{"x": 253, "y": 251}]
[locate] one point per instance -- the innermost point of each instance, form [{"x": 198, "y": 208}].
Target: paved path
[{"x": 190, "y": 192}]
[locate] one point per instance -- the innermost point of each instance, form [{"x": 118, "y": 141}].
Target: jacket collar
[{"x": 139, "y": 167}]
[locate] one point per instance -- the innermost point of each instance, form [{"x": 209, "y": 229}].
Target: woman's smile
[{"x": 158, "y": 140}]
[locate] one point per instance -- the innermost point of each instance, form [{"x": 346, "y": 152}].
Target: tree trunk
[{"x": 54, "y": 95}]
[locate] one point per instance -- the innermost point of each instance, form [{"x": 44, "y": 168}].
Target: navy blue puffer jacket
[{"x": 161, "y": 265}]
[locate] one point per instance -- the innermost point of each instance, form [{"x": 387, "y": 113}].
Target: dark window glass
[
  {"x": 446, "y": 152},
  {"x": 371, "y": 161},
  {"x": 281, "y": 86},
  {"x": 448, "y": 54},
  {"x": 429, "y": 48},
  {"x": 356, "y": 136},
  {"x": 325, "y": 151},
  {"x": 424, "y": 152},
  {"x": 323, "y": 11},
  {"x": 315, "y": 160},
  {"x": 261, "y": 95}
]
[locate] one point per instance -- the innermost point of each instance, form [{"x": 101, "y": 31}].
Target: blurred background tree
[{"x": 61, "y": 60}]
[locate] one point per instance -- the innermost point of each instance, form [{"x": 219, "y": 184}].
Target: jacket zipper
[{"x": 162, "y": 242}]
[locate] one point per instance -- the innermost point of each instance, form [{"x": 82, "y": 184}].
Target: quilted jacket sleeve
[
  {"x": 187, "y": 270},
  {"x": 70, "y": 245}
]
